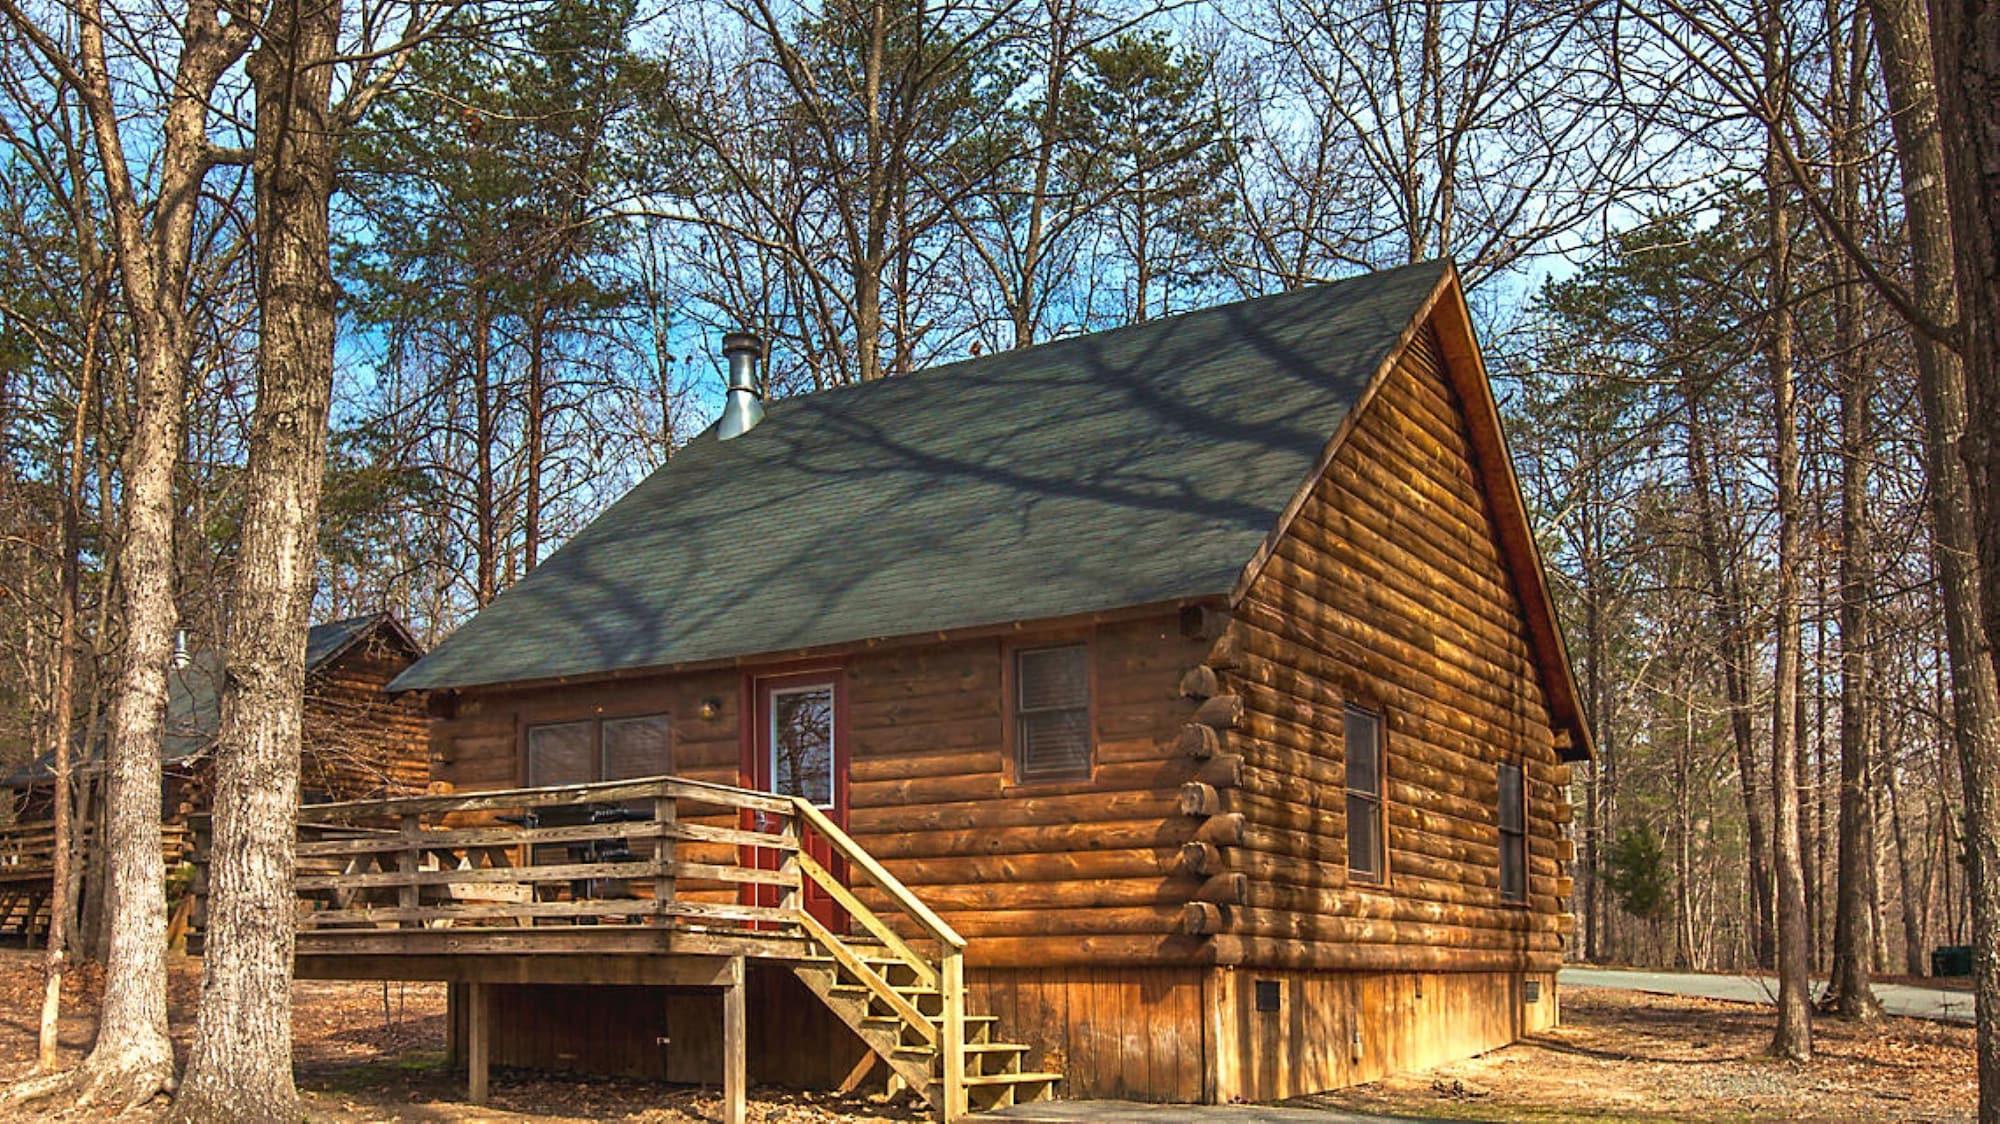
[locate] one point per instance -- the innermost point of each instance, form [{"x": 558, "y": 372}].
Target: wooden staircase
[
  {"x": 907, "y": 1006},
  {"x": 24, "y": 912}
]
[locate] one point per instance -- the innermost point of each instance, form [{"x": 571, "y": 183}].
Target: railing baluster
[
  {"x": 792, "y": 896},
  {"x": 408, "y": 896},
  {"x": 198, "y": 885},
  {"x": 495, "y": 875},
  {"x": 665, "y": 813}
]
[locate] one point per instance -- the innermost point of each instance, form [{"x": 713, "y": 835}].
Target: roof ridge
[{"x": 1133, "y": 329}]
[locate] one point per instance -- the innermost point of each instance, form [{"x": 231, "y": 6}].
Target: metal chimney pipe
[
  {"x": 745, "y": 407},
  {"x": 181, "y": 657}
]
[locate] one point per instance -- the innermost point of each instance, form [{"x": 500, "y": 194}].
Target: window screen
[
  {"x": 560, "y": 754},
  {"x": 1363, "y": 736},
  {"x": 1513, "y": 835},
  {"x": 636, "y": 747},
  {"x": 1052, "y": 713}
]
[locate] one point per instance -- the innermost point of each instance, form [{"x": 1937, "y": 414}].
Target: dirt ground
[
  {"x": 375, "y": 1052},
  {"x": 370, "y": 1053},
  {"x": 1627, "y": 1056}
]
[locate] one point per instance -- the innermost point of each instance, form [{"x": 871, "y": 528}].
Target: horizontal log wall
[
  {"x": 1049, "y": 873},
  {"x": 361, "y": 742},
  {"x": 478, "y": 747},
  {"x": 1388, "y": 590},
  {"x": 1081, "y": 871}
]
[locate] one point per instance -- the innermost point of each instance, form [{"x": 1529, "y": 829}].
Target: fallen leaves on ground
[
  {"x": 370, "y": 1052},
  {"x": 1654, "y": 1057}
]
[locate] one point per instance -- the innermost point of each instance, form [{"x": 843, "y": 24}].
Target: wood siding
[
  {"x": 1335, "y": 1029},
  {"x": 360, "y": 742},
  {"x": 1388, "y": 591},
  {"x": 1123, "y": 1032},
  {"x": 1078, "y": 871},
  {"x": 667, "y": 1034}
]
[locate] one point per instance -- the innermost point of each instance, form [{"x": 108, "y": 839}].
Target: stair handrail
[
  {"x": 951, "y": 955},
  {"x": 888, "y": 883}
]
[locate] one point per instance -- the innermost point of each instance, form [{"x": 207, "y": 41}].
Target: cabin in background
[
  {"x": 1200, "y": 677},
  {"x": 360, "y": 742}
]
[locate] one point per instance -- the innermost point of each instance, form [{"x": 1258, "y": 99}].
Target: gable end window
[
  {"x": 1513, "y": 835},
  {"x": 1363, "y": 752},
  {"x": 1052, "y": 735}
]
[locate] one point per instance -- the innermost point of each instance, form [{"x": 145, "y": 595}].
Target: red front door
[{"x": 798, "y": 749}]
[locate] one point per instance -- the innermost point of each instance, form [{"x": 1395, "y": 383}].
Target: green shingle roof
[{"x": 1128, "y": 467}]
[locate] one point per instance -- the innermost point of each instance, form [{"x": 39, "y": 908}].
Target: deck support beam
[
  {"x": 735, "y": 1047},
  {"x": 478, "y": 1039}
]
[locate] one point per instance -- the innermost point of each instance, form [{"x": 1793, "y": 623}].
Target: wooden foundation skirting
[{"x": 1192, "y": 1034}]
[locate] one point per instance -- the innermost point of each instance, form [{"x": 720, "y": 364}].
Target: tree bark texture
[
  {"x": 1793, "y": 1038},
  {"x": 1903, "y": 35},
  {"x": 62, "y": 899},
  {"x": 132, "y": 1059},
  {"x": 240, "y": 1068}
]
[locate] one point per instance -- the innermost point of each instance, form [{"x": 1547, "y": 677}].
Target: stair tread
[
  {"x": 900, "y": 989},
  {"x": 1010, "y": 1078},
  {"x": 970, "y": 1048}
]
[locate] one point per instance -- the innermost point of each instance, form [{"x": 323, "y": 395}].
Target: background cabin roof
[
  {"x": 194, "y": 692},
  {"x": 1129, "y": 467}
]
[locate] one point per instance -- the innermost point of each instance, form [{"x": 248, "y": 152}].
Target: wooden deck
[
  {"x": 27, "y": 866},
  {"x": 664, "y": 882}
]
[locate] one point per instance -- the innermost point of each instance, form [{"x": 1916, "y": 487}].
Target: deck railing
[
  {"x": 660, "y": 852},
  {"x": 28, "y": 847},
  {"x": 656, "y": 851}
]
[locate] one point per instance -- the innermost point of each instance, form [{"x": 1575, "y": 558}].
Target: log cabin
[
  {"x": 1174, "y": 713},
  {"x": 360, "y": 742}
]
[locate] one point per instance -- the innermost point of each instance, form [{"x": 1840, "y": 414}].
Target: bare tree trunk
[
  {"x": 535, "y": 424},
  {"x": 1908, "y": 881},
  {"x": 1737, "y": 670},
  {"x": 133, "y": 1059},
  {"x": 486, "y": 435},
  {"x": 1931, "y": 199},
  {"x": 62, "y": 884},
  {"x": 1684, "y": 845},
  {"x": 1793, "y": 1038},
  {"x": 241, "y": 1066},
  {"x": 1849, "y": 991}
]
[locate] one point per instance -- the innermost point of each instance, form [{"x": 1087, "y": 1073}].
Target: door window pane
[
  {"x": 559, "y": 754},
  {"x": 802, "y": 743}
]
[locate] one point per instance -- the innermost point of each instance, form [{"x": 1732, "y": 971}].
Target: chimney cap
[{"x": 742, "y": 340}]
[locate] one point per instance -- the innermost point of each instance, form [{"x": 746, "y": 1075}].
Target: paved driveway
[
  {"x": 1120, "y": 1112},
  {"x": 1935, "y": 1003}
]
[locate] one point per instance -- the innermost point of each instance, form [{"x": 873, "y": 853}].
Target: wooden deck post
[
  {"x": 735, "y": 1090},
  {"x": 478, "y": 1039},
  {"x": 665, "y": 813},
  {"x": 951, "y": 1034},
  {"x": 408, "y": 896}
]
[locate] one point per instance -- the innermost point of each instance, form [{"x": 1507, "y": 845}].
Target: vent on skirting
[{"x": 1267, "y": 995}]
